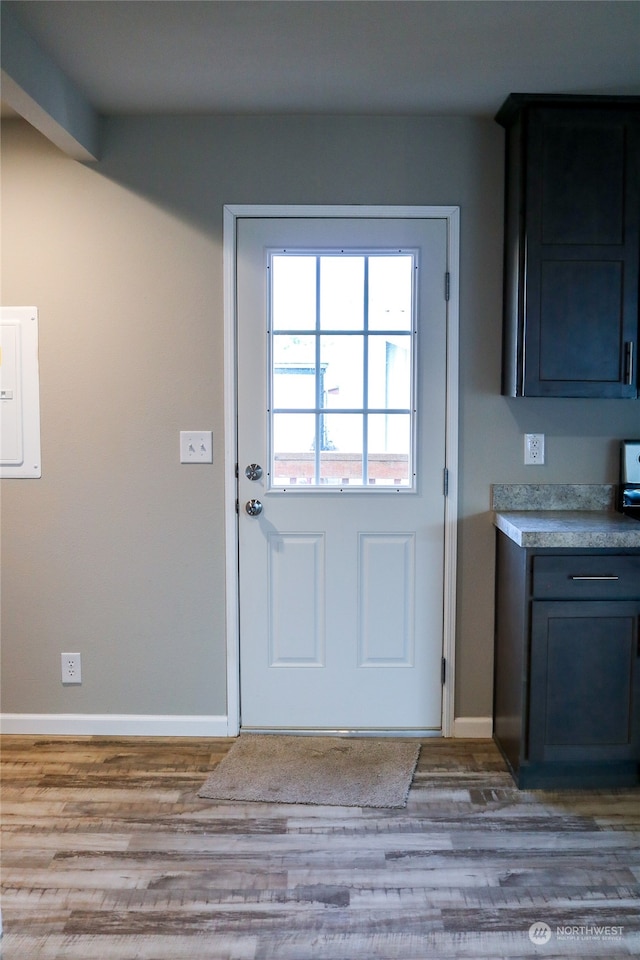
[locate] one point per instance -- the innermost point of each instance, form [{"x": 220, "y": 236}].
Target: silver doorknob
[
  {"x": 253, "y": 508},
  {"x": 253, "y": 471}
]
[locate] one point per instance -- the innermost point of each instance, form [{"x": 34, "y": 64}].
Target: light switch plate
[{"x": 196, "y": 446}]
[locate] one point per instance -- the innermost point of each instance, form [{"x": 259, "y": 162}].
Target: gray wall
[{"x": 118, "y": 551}]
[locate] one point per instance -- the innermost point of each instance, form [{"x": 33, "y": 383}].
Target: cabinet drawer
[{"x": 587, "y": 577}]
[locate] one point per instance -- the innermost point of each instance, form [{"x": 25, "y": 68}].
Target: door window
[{"x": 342, "y": 342}]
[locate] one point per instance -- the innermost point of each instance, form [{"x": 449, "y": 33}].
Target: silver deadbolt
[
  {"x": 253, "y": 508},
  {"x": 253, "y": 471}
]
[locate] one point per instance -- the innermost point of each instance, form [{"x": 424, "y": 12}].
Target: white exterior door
[{"x": 342, "y": 339}]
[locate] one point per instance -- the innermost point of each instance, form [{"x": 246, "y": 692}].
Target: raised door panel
[
  {"x": 584, "y": 679},
  {"x": 581, "y": 323},
  {"x": 582, "y": 180},
  {"x": 386, "y": 600},
  {"x": 296, "y": 599}
]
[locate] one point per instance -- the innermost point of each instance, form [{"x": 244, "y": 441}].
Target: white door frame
[{"x": 232, "y": 213}]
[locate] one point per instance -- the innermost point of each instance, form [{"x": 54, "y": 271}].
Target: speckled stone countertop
[
  {"x": 569, "y": 528},
  {"x": 563, "y": 515}
]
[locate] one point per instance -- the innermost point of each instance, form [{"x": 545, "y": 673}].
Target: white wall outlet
[
  {"x": 534, "y": 448},
  {"x": 196, "y": 446},
  {"x": 71, "y": 667}
]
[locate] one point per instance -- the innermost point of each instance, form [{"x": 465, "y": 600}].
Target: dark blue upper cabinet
[{"x": 572, "y": 252}]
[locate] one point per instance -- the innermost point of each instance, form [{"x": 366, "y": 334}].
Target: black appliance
[{"x": 630, "y": 478}]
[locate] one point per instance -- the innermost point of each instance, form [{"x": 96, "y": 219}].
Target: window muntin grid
[{"x": 342, "y": 337}]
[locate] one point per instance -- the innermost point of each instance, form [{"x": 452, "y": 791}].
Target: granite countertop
[
  {"x": 563, "y": 515},
  {"x": 569, "y": 528}
]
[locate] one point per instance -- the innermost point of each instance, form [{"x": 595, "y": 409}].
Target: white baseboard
[
  {"x": 473, "y": 728},
  {"x": 113, "y": 725},
  {"x": 143, "y": 725}
]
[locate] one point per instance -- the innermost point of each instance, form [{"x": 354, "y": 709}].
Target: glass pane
[
  {"x": 338, "y": 369},
  {"x": 293, "y": 444},
  {"x": 389, "y": 449},
  {"x": 341, "y": 452},
  {"x": 341, "y": 366},
  {"x": 390, "y": 371},
  {"x": 342, "y": 293},
  {"x": 390, "y": 292},
  {"x": 294, "y": 371},
  {"x": 293, "y": 284}
]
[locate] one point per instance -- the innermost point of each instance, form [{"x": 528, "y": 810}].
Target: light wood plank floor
[{"x": 108, "y": 854}]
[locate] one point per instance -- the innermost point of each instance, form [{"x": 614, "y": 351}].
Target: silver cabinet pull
[
  {"x": 593, "y": 578},
  {"x": 628, "y": 348}
]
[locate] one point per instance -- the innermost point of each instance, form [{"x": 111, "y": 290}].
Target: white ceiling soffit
[
  {"x": 456, "y": 57},
  {"x": 34, "y": 87}
]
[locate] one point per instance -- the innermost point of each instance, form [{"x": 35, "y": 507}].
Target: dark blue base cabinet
[{"x": 567, "y": 666}]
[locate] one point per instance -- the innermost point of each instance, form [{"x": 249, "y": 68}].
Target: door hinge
[
  {"x": 445, "y": 482},
  {"x": 237, "y": 506},
  {"x": 444, "y": 670},
  {"x": 447, "y": 285},
  {"x": 237, "y": 471}
]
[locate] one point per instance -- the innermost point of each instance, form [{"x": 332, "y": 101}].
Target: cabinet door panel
[
  {"x": 582, "y": 253},
  {"x": 572, "y": 235},
  {"x": 582, "y": 181},
  {"x": 581, "y": 319},
  {"x": 583, "y": 697}
]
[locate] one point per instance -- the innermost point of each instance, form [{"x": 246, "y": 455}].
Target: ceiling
[{"x": 459, "y": 57}]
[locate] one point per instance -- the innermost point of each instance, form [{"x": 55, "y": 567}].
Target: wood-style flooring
[{"x": 108, "y": 854}]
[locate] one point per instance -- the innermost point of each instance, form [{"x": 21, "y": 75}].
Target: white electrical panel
[{"x": 19, "y": 393}]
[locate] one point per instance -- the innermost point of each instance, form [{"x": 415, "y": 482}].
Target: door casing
[{"x": 232, "y": 213}]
